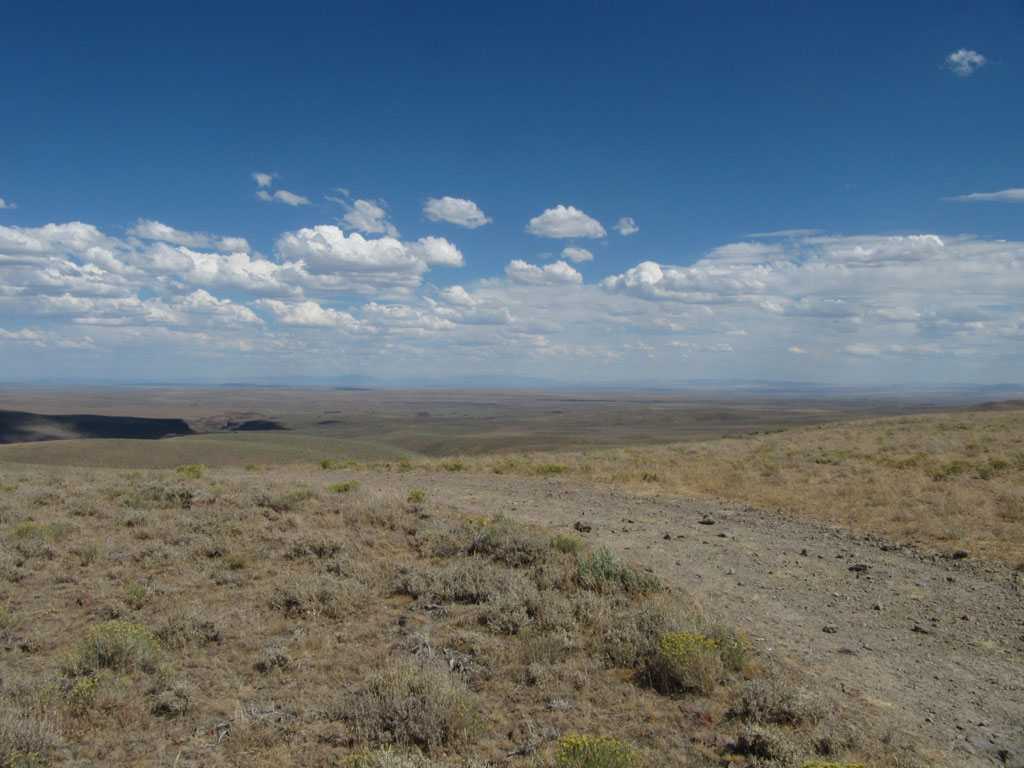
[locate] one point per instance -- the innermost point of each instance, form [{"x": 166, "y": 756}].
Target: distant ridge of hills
[{"x": 946, "y": 391}]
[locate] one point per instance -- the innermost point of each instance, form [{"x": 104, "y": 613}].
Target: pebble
[{"x": 830, "y": 629}]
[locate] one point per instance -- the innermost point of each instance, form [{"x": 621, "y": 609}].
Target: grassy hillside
[
  {"x": 951, "y": 481},
  {"x": 300, "y": 617}
]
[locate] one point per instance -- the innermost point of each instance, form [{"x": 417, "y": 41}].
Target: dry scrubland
[
  {"x": 291, "y": 617},
  {"x": 946, "y": 481}
]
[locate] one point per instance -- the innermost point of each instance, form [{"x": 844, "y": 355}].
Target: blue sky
[{"x": 586, "y": 192}]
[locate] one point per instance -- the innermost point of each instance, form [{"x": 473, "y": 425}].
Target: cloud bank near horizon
[{"x": 328, "y": 300}]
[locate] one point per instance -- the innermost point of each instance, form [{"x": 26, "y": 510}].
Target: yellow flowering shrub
[{"x": 687, "y": 661}]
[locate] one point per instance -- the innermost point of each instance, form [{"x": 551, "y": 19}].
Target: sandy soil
[{"x": 928, "y": 649}]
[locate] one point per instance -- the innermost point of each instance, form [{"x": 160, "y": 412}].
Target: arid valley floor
[{"x": 440, "y": 578}]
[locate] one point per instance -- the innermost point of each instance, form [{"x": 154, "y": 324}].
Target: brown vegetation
[{"x": 265, "y": 618}]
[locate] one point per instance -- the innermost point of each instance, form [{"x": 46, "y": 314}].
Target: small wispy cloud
[
  {"x": 558, "y": 273},
  {"x": 1015, "y": 195},
  {"x": 572, "y": 253},
  {"x": 455, "y": 210},
  {"x": 965, "y": 62},
  {"x": 369, "y": 217},
  {"x": 5, "y": 204},
  {"x": 283, "y": 196},
  {"x": 862, "y": 350},
  {"x": 786, "y": 233},
  {"x": 565, "y": 221},
  {"x": 263, "y": 179},
  {"x": 626, "y": 226}
]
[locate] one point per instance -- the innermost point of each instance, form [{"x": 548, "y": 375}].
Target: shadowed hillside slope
[{"x": 24, "y": 427}]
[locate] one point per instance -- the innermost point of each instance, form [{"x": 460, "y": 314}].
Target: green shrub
[
  {"x": 505, "y": 542},
  {"x": 347, "y": 487},
  {"x": 117, "y": 645},
  {"x": 585, "y": 751},
  {"x": 155, "y": 495},
  {"x": 568, "y": 544},
  {"x": 403, "y": 466},
  {"x": 32, "y": 539},
  {"x": 135, "y": 595},
  {"x": 686, "y": 661},
  {"x": 550, "y": 469},
  {"x": 328, "y": 464},
  {"x": 603, "y": 571},
  {"x": 285, "y": 501},
  {"x": 452, "y": 466},
  {"x": 24, "y": 760},
  {"x": 195, "y": 471},
  {"x": 417, "y": 497},
  {"x": 734, "y": 649},
  {"x": 83, "y": 695}
]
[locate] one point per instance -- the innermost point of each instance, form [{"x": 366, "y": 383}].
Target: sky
[{"x": 583, "y": 193}]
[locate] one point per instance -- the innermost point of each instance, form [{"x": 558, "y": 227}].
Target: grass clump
[
  {"x": 411, "y": 701},
  {"x": 452, "y": 466},
  {"x": 117, "y": 645},
  {"x": 602, "y": 572},
  {"x": 29, "y": 728},
  {"x": 417, "y": 497},
  {"x": 583, "y": 751},
  {"x": 193, "y": 471}
]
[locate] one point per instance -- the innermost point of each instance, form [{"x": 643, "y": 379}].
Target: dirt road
[{"x": 929, "y": 649}]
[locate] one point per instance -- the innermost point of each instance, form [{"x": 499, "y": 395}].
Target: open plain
[{"x": 327, "y": 577}]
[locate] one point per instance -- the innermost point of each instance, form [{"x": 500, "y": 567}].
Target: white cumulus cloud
[
  {"x": 455, "y": 210},
  {"x": 5, "y": 204},
  {"x": 336, "y": 261},
  {"x": 627, "y": 226},
  {"x": 565, "y": 221},
  {"x": 263, "y": 179},
  {"x": 964, "y": 62},
  {"x": 577, "y": 255},
  {"x": 309, "y": 314}
]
